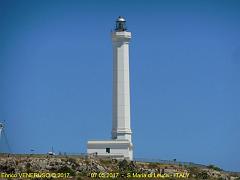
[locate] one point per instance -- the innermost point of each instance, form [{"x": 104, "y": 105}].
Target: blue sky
[{"x": 56, "y": 76}]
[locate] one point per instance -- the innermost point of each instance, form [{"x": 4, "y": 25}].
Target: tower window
[{"x": 107, "y": 150}]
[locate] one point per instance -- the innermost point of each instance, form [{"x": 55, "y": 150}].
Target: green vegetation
[
  {"x": 72, "y": 160},
  {"x": 193, "y": 171},
  {"x": 66, "y": 169},
  {"x": 105, "y": 161},
  {"x": 214, "y": 167},
  {"x": 202, "y": 175},
  {"x": 154, "y": 165},
  {"x": 126, "y": 167},
  {"x": 220, "y": 178}
]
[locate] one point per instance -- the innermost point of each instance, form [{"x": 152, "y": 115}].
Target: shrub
[
  {"x": 28, "y": 165},
  {"x": 153, "y": 165},
  {"x": 105, "y": 161},
  {"x": 202, "y": 175},
  {"x": 193, "y": 170},
  {"x": 214, "y": 167},
  {"x": 72, "y": 160},
  {"x": 66, "y": 169}
]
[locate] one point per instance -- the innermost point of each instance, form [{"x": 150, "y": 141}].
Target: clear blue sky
[{"x": 56, "y": 76}]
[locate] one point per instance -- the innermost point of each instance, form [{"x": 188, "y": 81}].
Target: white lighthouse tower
[
  {"x": 121, "y": 91},
  {"x": 121, "y": 144}
]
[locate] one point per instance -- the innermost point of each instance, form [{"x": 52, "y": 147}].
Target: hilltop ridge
[{"x": 80, "y": 167}]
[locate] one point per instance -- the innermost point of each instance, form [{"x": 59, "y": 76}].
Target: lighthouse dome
[{"x": 121, "y": 19}]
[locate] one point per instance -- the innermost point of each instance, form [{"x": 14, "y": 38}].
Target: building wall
[{"x": 116, "y": 149}]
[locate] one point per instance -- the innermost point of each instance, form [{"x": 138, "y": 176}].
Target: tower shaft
[{"x": 121, "y": 129}]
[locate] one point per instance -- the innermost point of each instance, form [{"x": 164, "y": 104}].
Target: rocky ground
[{"x": 74, "y": 167}]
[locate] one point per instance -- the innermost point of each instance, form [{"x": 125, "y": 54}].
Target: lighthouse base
[{"x": 117, "y": 149}]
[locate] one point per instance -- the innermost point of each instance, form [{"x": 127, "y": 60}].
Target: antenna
[
  {"x": 3, "y": 136},
  {"x": 1, "y": 129}
]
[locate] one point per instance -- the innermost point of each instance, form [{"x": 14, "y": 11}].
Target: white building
[{"x": 121, "y": 144}]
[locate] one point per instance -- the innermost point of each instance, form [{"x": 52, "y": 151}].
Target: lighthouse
[
  {"x": 121, "y": 85},
  {"x": 120, "y": 146}
]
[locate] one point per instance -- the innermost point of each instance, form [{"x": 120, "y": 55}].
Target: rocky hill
[{"x": 75, "y": 167}]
